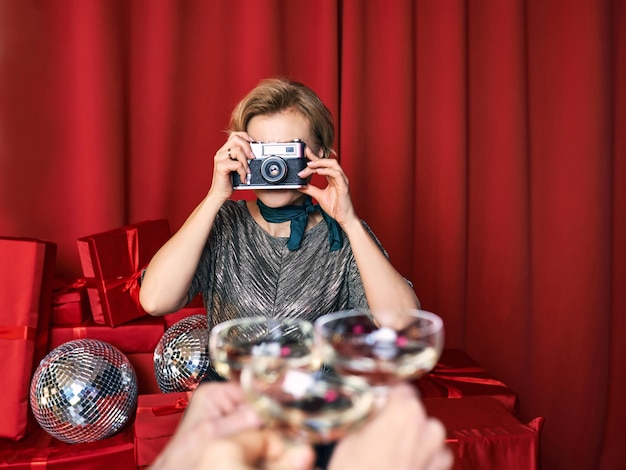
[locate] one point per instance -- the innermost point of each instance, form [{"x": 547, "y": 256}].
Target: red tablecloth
[
  {"x": 457, "y": 375},
  {"x": 41, "y": 451},
  {"x": 484, "y": 435}
]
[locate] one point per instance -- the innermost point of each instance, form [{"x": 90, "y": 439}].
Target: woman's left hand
[{"x": 335, "y": 197}]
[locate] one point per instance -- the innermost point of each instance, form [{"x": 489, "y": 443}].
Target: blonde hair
[{"x": 274, "y": 95}]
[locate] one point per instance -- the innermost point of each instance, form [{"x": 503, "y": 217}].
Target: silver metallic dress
[{"x": 244, "y": 271}]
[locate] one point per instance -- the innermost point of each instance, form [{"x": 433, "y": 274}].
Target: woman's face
[{"x": 284, "y": 126}]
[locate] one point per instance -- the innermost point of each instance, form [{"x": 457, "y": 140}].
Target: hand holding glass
[{"x": 384, "y": 346}]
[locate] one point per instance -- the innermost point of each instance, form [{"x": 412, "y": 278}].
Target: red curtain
[{"x": 485, "y": 142}]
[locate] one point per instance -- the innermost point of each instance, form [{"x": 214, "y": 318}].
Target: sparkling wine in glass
[
  {"x": 306, "y": 403},
  {"x": 382, "y": 346},
  {"x": 232, "y": 343}
]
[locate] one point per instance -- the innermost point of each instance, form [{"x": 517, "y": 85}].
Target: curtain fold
[
  {"x": 498, "y": 201},
  {"x": 439, "y": 204},
  {"x": 484, "y": 142}
]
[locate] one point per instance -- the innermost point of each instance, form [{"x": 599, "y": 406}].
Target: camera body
[{"x": 275, "y": 166}]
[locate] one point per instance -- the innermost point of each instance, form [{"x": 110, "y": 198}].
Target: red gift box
[
  {"x": 26, "y": 275},
  {"x": 482, "y": 434},
  {"x": 143, "y": 363},
  {"x": 138, "y": 336},
  {"x": 112, "y": 262},
  {"x": 457, "y": 375},
  {"x": 40, "y": 450},
  {"x": 156, "y": 420},
  {"x": 70, "y": 305}
]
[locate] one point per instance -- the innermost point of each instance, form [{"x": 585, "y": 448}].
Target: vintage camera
[{"x": 276, "y": 166}]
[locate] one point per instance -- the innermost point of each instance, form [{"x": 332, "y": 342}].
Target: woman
[{"x": 278, "y": 255}]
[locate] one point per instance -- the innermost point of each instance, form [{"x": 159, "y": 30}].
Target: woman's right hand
[{"x": 232, "y": 156}]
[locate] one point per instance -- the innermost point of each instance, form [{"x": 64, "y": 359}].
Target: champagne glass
[
  {"x": 306, "y": 403},
  {"x": 382, "y": 346},
  {"x": 232, "y": 343}
]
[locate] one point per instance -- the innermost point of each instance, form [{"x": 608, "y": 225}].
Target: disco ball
[
  {"x": 83, "y": 391},
  {"x": 181, "y": 358}
]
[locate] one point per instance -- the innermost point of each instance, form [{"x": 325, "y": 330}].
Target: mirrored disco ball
[
  {"x": 83, "y": 391},
  {"x": 181, "y": 358}
]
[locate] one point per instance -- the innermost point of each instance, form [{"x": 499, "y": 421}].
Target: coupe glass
[
  {"x": 382, "y": 346},
  {"x": 306, "y": 403},
  {"x": 232, "y": 343}
]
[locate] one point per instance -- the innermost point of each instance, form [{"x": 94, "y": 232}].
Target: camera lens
[{"x": 274, "y": 169}]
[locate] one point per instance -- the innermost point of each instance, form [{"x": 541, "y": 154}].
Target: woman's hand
[
  {"x": 335, "y": 197},
  {"x": 232, "y": 156}
]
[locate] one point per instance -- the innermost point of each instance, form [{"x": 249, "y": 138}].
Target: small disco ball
[
  {"x": 181, "y": 358},
  {"x": 83, "y": 391}
]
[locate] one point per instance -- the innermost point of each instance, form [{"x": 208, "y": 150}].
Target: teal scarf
[{"x": 299, "y": 216}]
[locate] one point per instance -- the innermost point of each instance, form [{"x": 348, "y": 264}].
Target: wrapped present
[
  {"x": 137, "y": 336},
  {"x": 143, "y": 363},
  {"x": 40, "y": 450},
  {"x": 70, "y": 305},
  {"x": 112, "y": 262},
  {"x": 156, "y": 420},
  {"x": 482, "y": 434},
  {"x": 26, "y": 275},
  {"x": 457, "y": 375}
]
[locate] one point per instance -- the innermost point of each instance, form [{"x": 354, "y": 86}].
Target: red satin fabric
[
  {"x": 457, "y": 375},
  {"x": 482, "y": 434},
  {"x": 485, "y": 143},
  {"x": 40, "y": 451}
]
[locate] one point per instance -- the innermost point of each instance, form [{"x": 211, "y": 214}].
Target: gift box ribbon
[
  {"x": 18, "y": 332},
  {"x": 67, "y": 288},
  {"x": 178, "y": 407},
  {"x": 24, "y": 333}
]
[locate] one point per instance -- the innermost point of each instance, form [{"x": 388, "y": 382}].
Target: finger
[
  {"x": 236, "y": 147},
  {"x": 334, "y": 176},
  {"x": 227, "y": 395},
  {"x": 432, "y": 440},
  {"x": 443, "y": 460},
  {"x": 219, "y": 405},
  {"x": 308, "y": 153},
  {"x": 233, "y": 159},
  {"x": 212, "y": 400},
  {"x": 313, "y": 191},
  {"x": 276, "y": 453},
  {"x": 241, "y": 419},
  {"x": 315, "y": 161},
  {"x": 250, "y": 449}
]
